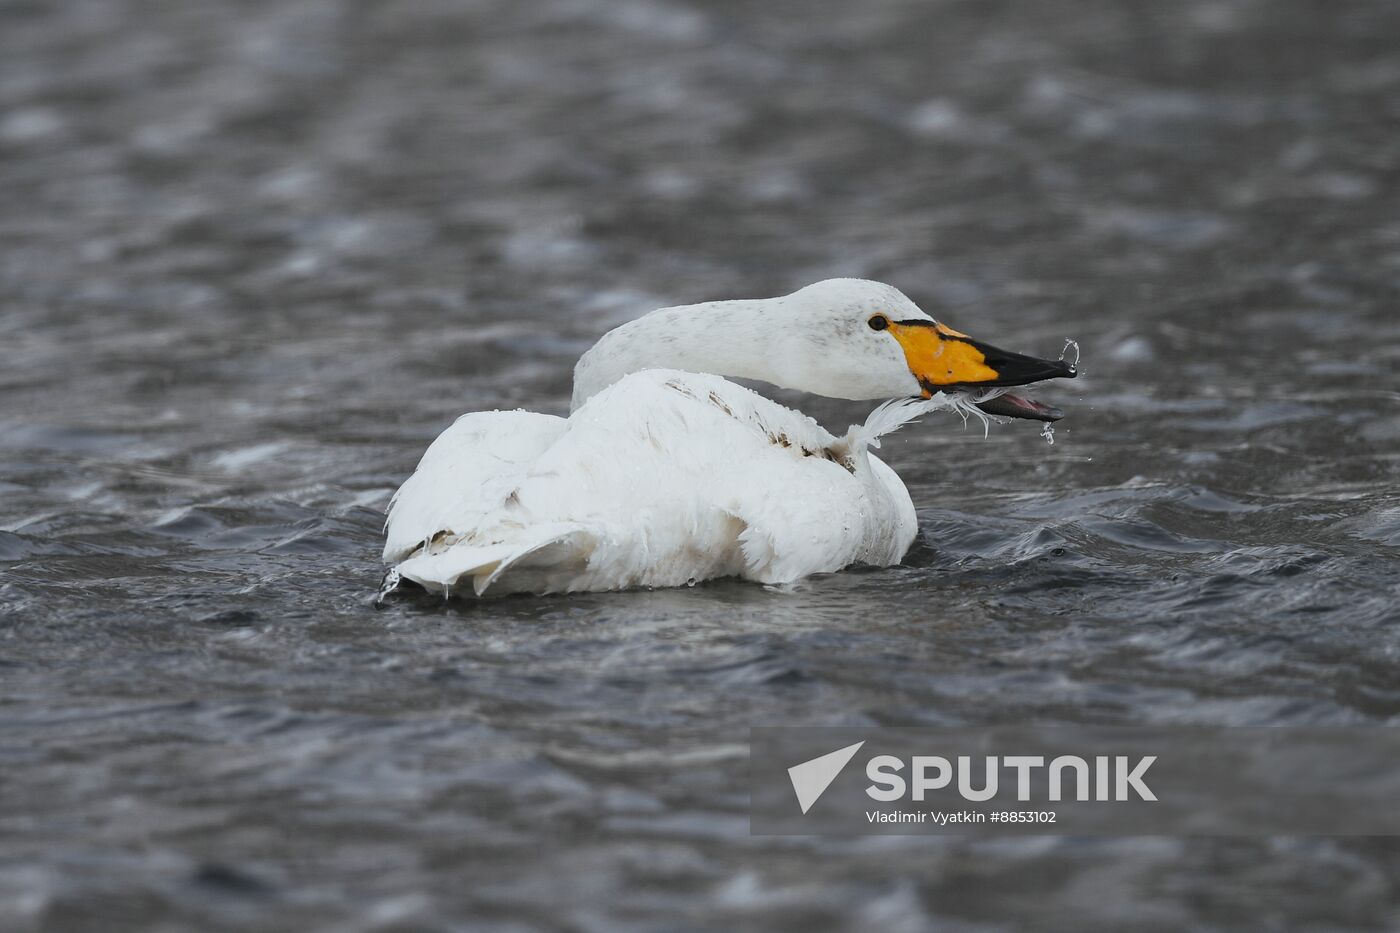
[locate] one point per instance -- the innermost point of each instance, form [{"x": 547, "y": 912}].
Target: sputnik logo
[{"x": 811, "y": 778}]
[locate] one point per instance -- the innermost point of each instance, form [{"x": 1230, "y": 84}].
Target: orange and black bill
[{"x": 944, "y": 359}]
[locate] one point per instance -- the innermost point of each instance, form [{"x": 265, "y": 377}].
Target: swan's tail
[{"x": 538, "y": 549}]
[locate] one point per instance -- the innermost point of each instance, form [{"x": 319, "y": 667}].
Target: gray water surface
[{"x": 255, "y": 256}]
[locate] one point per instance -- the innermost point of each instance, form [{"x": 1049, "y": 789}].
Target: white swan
[{"x": 665, "y": 473}]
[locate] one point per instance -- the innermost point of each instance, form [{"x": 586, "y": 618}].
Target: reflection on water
[{"x": 253, "y": 257}]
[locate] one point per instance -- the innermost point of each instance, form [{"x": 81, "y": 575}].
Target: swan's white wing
[
  {"x": 663, "y": 478},
  {"x": 467, "y": 473}
]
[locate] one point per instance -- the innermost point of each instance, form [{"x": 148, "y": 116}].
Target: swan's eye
[{"x": 878, "y": 322}]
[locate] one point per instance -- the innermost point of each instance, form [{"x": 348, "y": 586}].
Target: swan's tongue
[{"x": 1012, "y": 405}]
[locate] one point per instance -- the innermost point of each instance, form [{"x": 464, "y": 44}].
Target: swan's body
[{"x": 666, "y": 476}]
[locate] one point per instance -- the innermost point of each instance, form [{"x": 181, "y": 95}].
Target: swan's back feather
[{"x": 663, "y": 478}]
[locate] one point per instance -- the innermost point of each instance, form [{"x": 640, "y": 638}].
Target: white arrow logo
[{"x": 811, "y": 778}]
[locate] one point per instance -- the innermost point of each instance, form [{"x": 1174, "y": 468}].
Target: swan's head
[{"x": 867, "y": 340}]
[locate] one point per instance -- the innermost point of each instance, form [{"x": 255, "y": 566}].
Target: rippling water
[{"x": 254, "y": 256}]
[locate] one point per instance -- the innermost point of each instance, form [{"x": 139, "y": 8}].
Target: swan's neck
[{"x": 725, "y": 338}]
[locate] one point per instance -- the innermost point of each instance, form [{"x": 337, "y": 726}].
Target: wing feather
[{"x": 466, "y": 474}]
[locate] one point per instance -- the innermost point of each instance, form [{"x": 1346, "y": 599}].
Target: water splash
[
  {"x": 1047, "y": 430},
  {"x": 1071, "y": 344}
]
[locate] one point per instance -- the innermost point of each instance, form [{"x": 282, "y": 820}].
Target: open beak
[{"x": 943, "y": 359}]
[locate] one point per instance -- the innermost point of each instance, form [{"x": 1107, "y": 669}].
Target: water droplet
[
  {"x": 1047, "y": 431},
  {"x": 1074, "y": 346}
]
